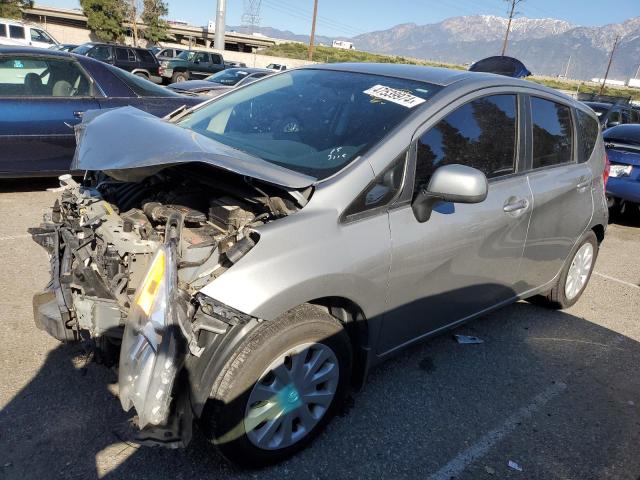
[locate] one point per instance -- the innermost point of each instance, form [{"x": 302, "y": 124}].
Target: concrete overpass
[{"x": 70, "y": 26}]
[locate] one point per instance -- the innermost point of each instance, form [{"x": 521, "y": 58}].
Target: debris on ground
[
  {"x": 467, "y": 339},
  {"x": 514, "y": 466},
  {"x": 489, "y": 470}
]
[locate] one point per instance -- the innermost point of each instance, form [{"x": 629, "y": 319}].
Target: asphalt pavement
[{"x": 557, "y": 393}]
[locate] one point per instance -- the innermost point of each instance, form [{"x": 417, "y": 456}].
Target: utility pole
[
  {"x": 512, "y": 12},
  {"x": 637, "y": 72},
  {"x": 606, "y": 74},
  {"x": 313, "y": 29},
  {"x": 566, "y": 70},
  {"x": 221, "y": 14}
]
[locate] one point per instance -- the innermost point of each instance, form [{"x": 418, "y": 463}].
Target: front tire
[
  {"x": 280, "y": 388},
  {"x": 576, "y": 273}
]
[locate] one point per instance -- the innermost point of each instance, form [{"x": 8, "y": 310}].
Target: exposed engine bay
[{"x": 108, "y": 232}]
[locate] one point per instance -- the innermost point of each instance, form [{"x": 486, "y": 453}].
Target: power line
[
  {"x": 313, "y": 29},
  {"x": 512, "y": 12}
]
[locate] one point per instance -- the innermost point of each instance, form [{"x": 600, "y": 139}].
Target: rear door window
[
  {"x": 589, "y": 131},
  {"x": 552, "y": 133},
  {"x": 3, "y": 30},
  {"x": 481, "y": 134},
  {"x": 216, "y": 58},
  {"x": 24, "y": 76},
  {"x": 16, "y": 31},
  {"x": 122, "y": 54}
]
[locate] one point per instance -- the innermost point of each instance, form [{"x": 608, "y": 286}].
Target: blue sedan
[
  {"x": 623, "y": 150},
  {"x": 44, "y": 94}
]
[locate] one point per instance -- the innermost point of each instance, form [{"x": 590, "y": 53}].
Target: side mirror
[{"x": 450, "y": 183}]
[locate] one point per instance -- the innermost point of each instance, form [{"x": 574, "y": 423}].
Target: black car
[
  {"x": 139, "y": 61},
  {"x": 612, "y": 114},
  {"x": 501, "y": 65},
  {"x": 221, "y": 82},
  {"x": 45, "y": 93}
]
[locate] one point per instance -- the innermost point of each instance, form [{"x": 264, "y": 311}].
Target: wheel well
[
  {"x": 599, "y": 231},
  {"x": 355, "y": 324}
]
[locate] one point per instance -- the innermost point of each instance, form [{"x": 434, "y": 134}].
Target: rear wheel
[
  {"x": 180, "y": 77},
  {"x": 280, "y": 388},
  {"x": 576, "y": 273}
]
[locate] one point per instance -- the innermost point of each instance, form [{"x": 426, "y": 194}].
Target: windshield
[
  {"x": 231, "y": 76},
  {"x": 82, "y": 49},
  {"x": 312, "y": 121},
  {"x": 599, "y": 109},
  {"x": 187, "y": 55}
]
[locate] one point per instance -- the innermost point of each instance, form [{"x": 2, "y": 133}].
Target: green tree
[
  {"x": 105, "y": 18},
  {"x": 13, "y": 8},
  {"x": 156, "y": 27}
]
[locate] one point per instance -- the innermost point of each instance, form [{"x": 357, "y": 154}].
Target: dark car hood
[
  {"x": 130, "y": 145},
  {"x": 193, "y": 85}
]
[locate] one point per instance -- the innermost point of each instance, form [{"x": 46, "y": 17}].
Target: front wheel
[
  {"x": 280, "y": 388},
  {"x": 576, "y": 273}
]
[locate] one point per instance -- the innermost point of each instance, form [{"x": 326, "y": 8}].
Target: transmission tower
[{"x": 251, "y": 15}]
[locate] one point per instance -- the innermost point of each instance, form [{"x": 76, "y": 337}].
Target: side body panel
[{"x": 36, "y": 134}]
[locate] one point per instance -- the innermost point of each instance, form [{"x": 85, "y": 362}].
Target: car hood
[
  {"x": 627, "y": 157},
  {"x": 130, "y": 145},
  {"x": 191, "y": 85}
]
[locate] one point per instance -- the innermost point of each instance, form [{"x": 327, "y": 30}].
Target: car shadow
[
  {"x": 31, "y": 184},
  {"x": 417, "y": 411}
]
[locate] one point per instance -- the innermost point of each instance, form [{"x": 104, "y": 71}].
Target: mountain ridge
[{"x": 545, "y": 45}]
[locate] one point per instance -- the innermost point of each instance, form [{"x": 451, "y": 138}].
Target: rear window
[
  {"x": 589, "y": 131},
  {"x": 3, "y": 30},
  {"x": 552, "y": 133},
  {"x": 141, "y": 86},
  {"x": 16, "y": 32},
  {"x": 146, "y": 56}
]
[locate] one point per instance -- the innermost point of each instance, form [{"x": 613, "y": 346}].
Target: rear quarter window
[
  {"x": 588, "y": 129},
  {"x": 552, "y": 133},
  {"x": 3, "y": 30},
  {"x": 146, "y": 56},
  {"x": 16, "y": 32}
]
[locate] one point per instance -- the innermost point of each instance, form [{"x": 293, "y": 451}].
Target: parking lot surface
[{"x": 555, "y": 392}]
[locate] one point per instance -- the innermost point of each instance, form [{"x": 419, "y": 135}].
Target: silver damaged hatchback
[{"x": 246, "y": 262}]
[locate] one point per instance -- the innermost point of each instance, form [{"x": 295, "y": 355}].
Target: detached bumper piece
[{"x": 51, "y": 312}]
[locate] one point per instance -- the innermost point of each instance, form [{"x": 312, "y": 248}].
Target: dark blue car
[
  {"x": 623, "y": 150},
  {"x": 44, "y": 94}
]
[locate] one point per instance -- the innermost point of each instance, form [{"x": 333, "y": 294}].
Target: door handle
[
  {"x": 78, "y": 114},
  {"x": 583, "y": 184},
  {"x": 516, "y": 205}
]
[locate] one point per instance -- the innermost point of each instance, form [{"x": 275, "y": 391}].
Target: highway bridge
[{"x": 53, "y": 19}]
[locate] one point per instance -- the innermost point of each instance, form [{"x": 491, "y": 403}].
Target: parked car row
[{"x": 221, "y": 82}]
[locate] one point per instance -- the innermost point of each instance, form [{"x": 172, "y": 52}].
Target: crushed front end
[{"x": 128, "y": 261}]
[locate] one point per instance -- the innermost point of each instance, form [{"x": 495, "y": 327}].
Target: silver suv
[{"x": 251, "y": 259}]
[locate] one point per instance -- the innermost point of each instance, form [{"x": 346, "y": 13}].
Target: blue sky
[{"x": 351, "y": 17}]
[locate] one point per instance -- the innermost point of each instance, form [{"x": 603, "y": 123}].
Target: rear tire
[
  {"x": 575, "y": 275},
  {"x": 280, "y": 388},
  {"x": 180, "y": 77}
]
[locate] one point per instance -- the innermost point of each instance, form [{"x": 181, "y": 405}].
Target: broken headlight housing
[{"x": 152, "y": 343}]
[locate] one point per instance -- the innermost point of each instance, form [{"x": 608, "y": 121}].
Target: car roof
[
  {"x": 599, "y": 104},
  {"x": 33, "y": 51},
  {"x": 435, "y": 75}
]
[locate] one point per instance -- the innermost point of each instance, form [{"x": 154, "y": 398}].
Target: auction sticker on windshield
[{"x": 401, "y": 97}]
